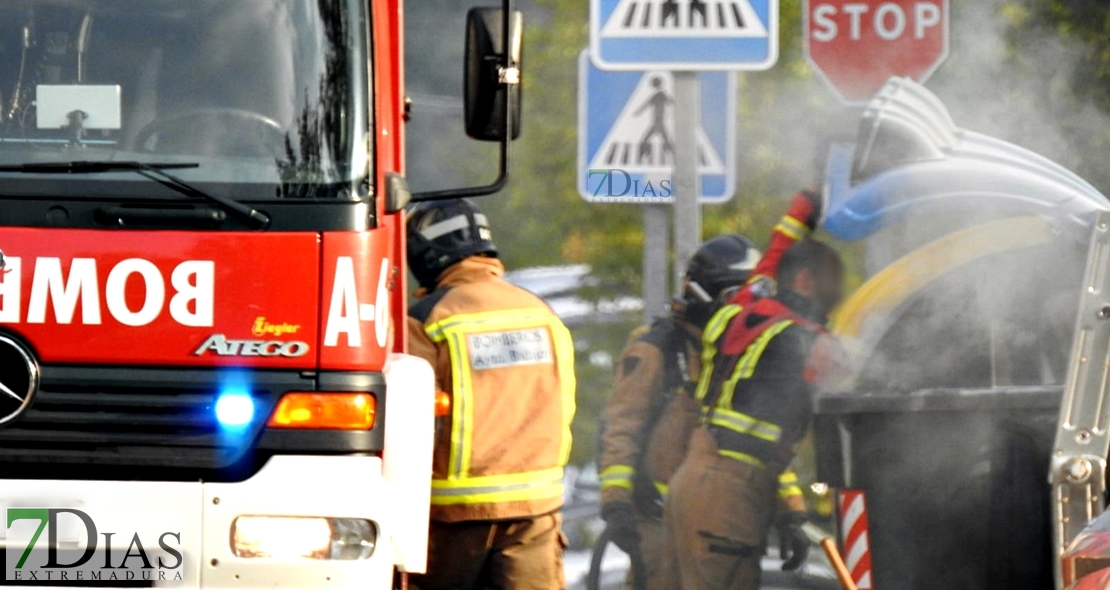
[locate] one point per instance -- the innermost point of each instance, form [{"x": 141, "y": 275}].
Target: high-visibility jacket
[
  {"x": 756, "y": 389},
  {"x": 755, "y": 396},
  {"x": 508, "y": 363},
  {"x": 650, "y": 415}
]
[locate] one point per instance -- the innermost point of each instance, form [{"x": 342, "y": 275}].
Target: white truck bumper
[
  {"x": 203, "y": 514},
  {"x": 392, "y": 492}
]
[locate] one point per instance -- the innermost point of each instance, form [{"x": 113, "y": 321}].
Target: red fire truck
[{"x": 202, "y": 290}]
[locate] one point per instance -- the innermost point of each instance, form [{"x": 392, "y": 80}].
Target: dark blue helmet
[
  {"x": 441, "y": 233},
  {"x": 719, "y": 267}
]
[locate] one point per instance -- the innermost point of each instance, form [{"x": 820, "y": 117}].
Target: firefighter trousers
[
  {"x": 717, "y": 517},
  {"x": 497, "y": 555}
]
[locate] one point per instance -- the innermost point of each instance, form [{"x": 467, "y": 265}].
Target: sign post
[
  {"x": 672, "y": 40},
  {"x": 687, "y": 212},
  {"x": 656, "y": 248},
  {"x": 857, "y": 45}
]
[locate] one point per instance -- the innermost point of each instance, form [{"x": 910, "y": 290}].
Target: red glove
[{"x": 808, "y": 212}]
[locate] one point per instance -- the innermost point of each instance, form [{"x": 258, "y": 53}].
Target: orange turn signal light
[
  {"x": 333, "y": 411},
  {"x": 443, "y": 403}
]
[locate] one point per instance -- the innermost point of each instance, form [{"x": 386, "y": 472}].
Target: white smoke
[{"x": 1025, "y": 84}]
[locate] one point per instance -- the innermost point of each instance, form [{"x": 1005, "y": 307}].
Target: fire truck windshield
[{"x": 267, "y": 97}]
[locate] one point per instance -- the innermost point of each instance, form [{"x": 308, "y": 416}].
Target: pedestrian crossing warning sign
[
  {"x": 627, "y": 130},
  {"x": 684, "y": 34},
  {"x": 642, "y": 138}
]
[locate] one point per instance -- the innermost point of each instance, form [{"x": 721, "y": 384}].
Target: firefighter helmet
[
  {"x": 441, "y": 233},
  {"x": 719, "y": 266}
]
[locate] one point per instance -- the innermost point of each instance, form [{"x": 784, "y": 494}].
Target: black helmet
[
  {"x": 719, "y": 266},
  {"x": 441, "y": 233}
]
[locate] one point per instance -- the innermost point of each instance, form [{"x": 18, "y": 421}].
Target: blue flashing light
[{"x": 234, "y": 409}]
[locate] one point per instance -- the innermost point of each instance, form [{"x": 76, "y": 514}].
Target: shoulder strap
[
  {"x": 422, "y": 309},
  {"x": 669, "y": 337}
]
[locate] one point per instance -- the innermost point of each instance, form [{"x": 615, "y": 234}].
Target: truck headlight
[
  {"x": 293, "y": 537},
  {"x": 352, "y": 538}
]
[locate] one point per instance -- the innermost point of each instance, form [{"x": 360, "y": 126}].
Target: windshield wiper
[{"x": 155, "y": 171}]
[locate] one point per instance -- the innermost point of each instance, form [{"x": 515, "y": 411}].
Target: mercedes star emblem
[{"x": 19, "y": 379}]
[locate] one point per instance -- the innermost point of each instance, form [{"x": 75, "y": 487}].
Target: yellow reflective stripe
[
  {"x": 529, "y": 494},
  {"x": 713, "y": 331},
  {"x": 616, "y": 483},
  {"x": 617, "y": 476},
  {"x": 564, "y": 359},
  {"x": 790, "y": 491},
  {"x": 755, "y": 350},
  {"x": 745, "y": 424},
  {"x": 790, "y": 232},
  {"x": 788, "y": 485},
  {"x": 742, "y": 457},
  {"x": 487, "y": 320},
  {"x": 719, "y": 322},
  {"x": 535, "y": 485},
  {"x": 614, "y": 470},
  {"x": 746, "y": 366},
  {"x": 795, "y": 228},
  {"x": 662, "y": 488},
  {"x": 461, "y": 401},
  {"x": 505, "y": 479}
]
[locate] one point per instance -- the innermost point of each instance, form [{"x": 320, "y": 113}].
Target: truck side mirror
[{"x": 489, "y": 81}]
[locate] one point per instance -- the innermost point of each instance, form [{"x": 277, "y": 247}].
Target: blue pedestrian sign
[
  {"x": 683, "y": 35},
  {"x": 626, "y": 134}
]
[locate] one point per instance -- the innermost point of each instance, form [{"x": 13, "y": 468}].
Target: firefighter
[
  {"x": 652, "y": 412},
  {"x": 508, "y": 364},
  {"x": 764, "y": 353},
  {"x": 653, "y": 389}
]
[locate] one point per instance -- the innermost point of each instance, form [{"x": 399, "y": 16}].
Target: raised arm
[{"x": 795, "y": 225}]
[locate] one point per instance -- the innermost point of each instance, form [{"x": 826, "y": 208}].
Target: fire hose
[{"x": 593, "y": 578}]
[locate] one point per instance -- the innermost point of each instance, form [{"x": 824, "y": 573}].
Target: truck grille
[{"x": 116, "y": 423}]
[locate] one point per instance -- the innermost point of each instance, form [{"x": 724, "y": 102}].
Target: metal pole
[
  {"x": 656, "y": 248},
  {"x": 687, "y": 211}
]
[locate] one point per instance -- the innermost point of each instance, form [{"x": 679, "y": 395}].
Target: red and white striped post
[{"x": 854, "y": 537}]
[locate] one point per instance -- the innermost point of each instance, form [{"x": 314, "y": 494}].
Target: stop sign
[{"x": 857, "y": 45}]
